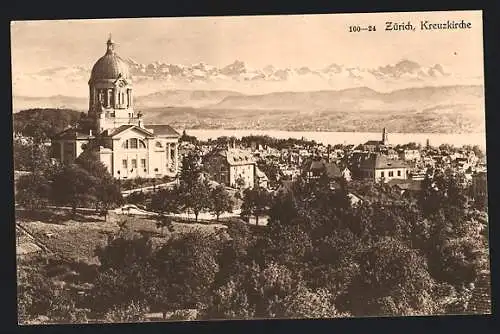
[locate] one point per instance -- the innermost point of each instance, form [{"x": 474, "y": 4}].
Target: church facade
[{"x": 126, "y": 146}]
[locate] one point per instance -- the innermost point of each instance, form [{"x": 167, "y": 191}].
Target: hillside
[
  {"x": 453, "y": 109},
  {"x": 164, "y": 98},
  {"x": 359, "y": 99},
  {"x": 448, "y": 109}
]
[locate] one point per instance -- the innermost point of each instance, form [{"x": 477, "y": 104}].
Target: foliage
[
  {"x": 187, "y": 264},
  {"x": 44, "y": 123},
  {"x": 107, "y": 189},
  {"x": 392, "y": 280},
  {"x": 30, "y": 155},
  {"x": 163, "y": 222},
  {"x": 190, "y": 170},
  {"x": 272, "y": 171},
  {"x": 166, "y": 200},
  {"x": 123, "y": 252},
  {"x": 220, "y": 201},
  {"x": 34, "y": 294},
  {"x": 256, "y": 202},
  {"x": 134, "y": 311},
  {"x": 190, "y": 139},
  {"x": 32, "y": 191},
  {"x": 197, "y": 197},
  {"x": 276, "y": 143},
  {"x": 74, "y": 186}
]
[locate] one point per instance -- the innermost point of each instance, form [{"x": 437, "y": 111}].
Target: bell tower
[{"x": 385, "y": 138}]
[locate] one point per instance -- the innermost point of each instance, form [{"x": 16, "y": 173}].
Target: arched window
[
  {"x": 134, "y": 143},
  {"x": 158, "y": 144}
]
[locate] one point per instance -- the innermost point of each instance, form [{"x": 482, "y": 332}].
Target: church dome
[{"x": 110, "y": 66}]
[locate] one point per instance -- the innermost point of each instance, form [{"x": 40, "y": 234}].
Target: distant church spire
[
  {"x": 110, "y": 44},
  {"x": 385, "y": 138}
]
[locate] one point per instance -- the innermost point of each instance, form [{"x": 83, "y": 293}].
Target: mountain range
[{"x": 238, "y": 76}]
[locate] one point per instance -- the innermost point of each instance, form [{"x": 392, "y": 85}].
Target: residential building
[
  {"x": 315, "y": 168},
  {"x": 379, "y": 168},
  {"x": 409, "y": 155},
  {"x": 230, "y": 165}
]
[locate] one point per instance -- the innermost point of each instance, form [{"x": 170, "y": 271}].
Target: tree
[
  {"x": 163, "y": 221},
  {"x": 167, "y": 200},
  {"x": 256, "y": 201},
  {"x": 271, "y": 291},
  {"x": 478, "y": 152},
  {"x": 30, "y": 155},
  {"x": 240, "y": 182},
  {"x": 124, "y": 252},
  {"x": 44, "y": 123},
  {"x": 220, "y": 201},
  {"x": 107, "y": 189},
  {"x": 392, "y": 280},
  {"x": 188, "y": 267},
  {"x": 73, "y": 185},
  {"x": 133, "y": 311},
  {"x": 271, "y": 170},
  {"x": 32, "y": 191},
  {"x": 198, "y": 197},
  {"x": 190, "y": 170}
]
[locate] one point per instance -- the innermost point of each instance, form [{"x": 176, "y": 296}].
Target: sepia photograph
[{"x": 250, "y": 167}]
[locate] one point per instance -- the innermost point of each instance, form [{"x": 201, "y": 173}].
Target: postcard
[{"x": 250, "y": 167}]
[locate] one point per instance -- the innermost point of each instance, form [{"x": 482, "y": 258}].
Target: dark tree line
[
  {"x": 86, "y": 182},
  {"x": 45, "y": 123}
]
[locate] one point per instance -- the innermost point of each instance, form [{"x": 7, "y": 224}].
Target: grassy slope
[{"x": 77, "y": 239}]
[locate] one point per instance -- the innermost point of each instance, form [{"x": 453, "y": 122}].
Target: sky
[{"x": 282, "y": 41}]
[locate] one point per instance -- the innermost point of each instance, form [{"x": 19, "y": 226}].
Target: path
[{"x": 149, "y": 188}]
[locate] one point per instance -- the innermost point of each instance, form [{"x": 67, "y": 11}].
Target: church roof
[
  {"x": 110, "y": 66},
  {"x": 378, "y": 161},
  {"x": 72, "y": 133},
  {"x": 163, "y": 130},
  {"x": 123, "y": 128}
]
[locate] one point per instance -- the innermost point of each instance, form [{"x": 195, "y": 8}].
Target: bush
[{"x": 134, "y": 311}]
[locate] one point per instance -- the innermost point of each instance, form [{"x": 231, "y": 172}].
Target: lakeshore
[{"x": 332, "y": 138}]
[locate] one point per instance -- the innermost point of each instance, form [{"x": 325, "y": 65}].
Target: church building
[{"x": 126, "y": 146}]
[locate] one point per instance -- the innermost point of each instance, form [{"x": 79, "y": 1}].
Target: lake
[{"x": 332, "y": 138}]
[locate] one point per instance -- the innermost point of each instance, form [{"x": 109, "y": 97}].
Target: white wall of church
[{"x": 142, "y": 156}]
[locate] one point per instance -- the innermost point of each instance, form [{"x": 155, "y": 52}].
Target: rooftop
[
  {"x": 378, "y": 161},
  {"x": 163, "y": 130}
]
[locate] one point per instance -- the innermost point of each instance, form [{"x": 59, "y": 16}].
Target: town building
[
  {"x": 232, "y": 167},
  {"x": 378, "y": 167},
  {"x": 315, "y": 168},
  {"x": 125, "y": 145},
  {"x": 406, "y": 187},
  {"x": 375, "y": 145},
  {"x": 409, "y": 155}
]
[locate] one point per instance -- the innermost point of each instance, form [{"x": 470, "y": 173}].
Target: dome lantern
[
  {"x": 110, "y": 66},
  {"x": 110, "y": 45}
]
